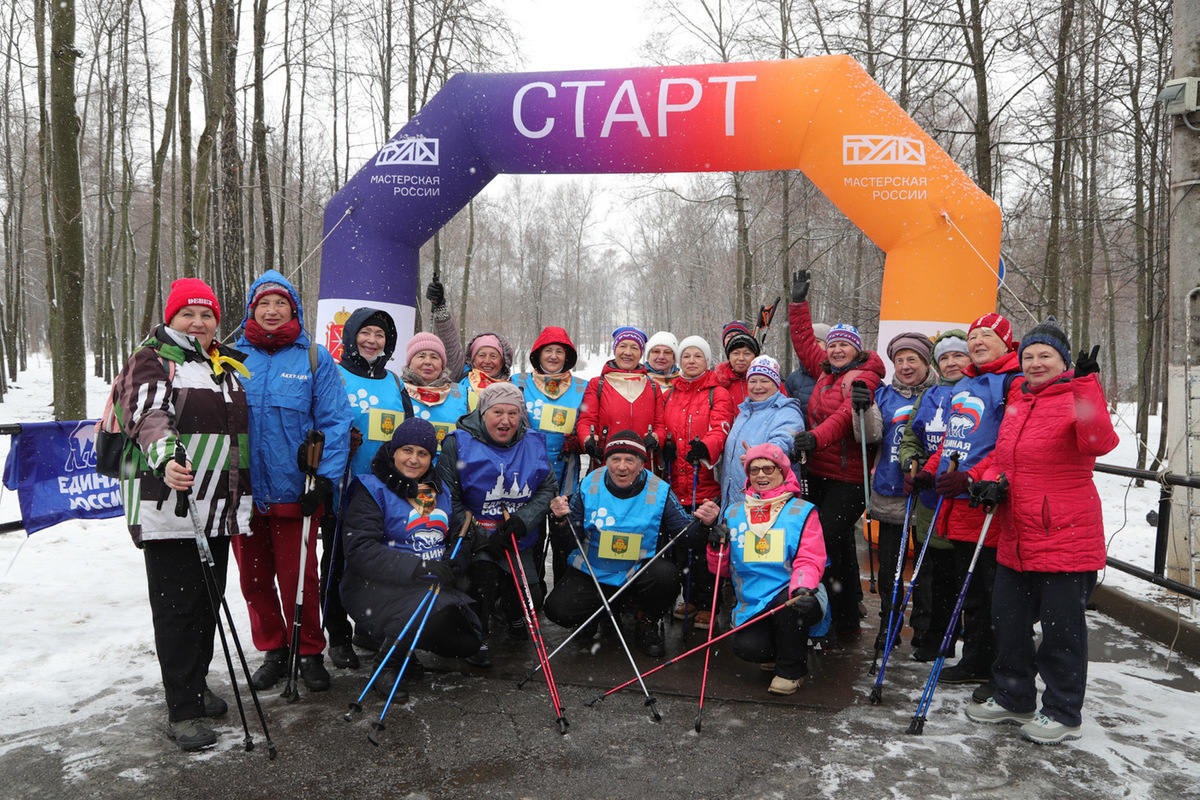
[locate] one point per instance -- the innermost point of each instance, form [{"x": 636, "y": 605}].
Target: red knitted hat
[
  {"x": 997, "y": 325},
  {"x": 190, "y": 292}
]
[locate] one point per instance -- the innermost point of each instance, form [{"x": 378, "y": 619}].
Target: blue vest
[
  {"x": 378, "y": 405},
  {"x": 404, "y": 528},
  {"x": 555, "y": 418},
  {"x": 761, "y": 566},
  {"x": 929, "y": 426},
  {"x": 976, "y": 410},
  {"x": 896, "y": 410},
  {"x": 443, "y": 416},
  {"x": 619, "y": 533},
  {"x": 496, "y": 479}
]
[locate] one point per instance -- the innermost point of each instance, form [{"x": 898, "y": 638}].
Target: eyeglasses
[{"x": 765, "y": 471}]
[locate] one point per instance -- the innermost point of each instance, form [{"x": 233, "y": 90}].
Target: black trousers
[
  {"x": 891, "y": 540},
  {"x": 839, "y": 506},
  {"x": 184, "y": 624},
  {"x": 490, "y": 581},
  {"x": 781, "y": 637},
  {"x": 979, "y": 643},
  {"x": 934, "y": 597},
  {"x": 574, "y": 598},
  {"x": 1059, "y": 601},
  {"x": 451, "y": 632},
  {"x": 333, "y": 564}
]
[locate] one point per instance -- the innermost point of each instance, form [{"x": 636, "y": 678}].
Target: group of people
[{"x": 459, "y": 493}]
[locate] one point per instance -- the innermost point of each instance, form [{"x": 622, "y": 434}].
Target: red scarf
[{"x": 281, "y": 337}]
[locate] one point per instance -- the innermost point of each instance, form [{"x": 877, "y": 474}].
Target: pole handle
[{"x": 313, "y": 449}]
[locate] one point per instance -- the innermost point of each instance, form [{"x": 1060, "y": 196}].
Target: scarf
[
  {"x": 281, "y": 337},
  {"x": 432, "y": 394},
  {"x": 763, "y": 511},
  {"x": 553, "y": 386},
  {"x": 628, "y": 384}
]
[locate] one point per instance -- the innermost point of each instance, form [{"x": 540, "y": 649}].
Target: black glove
[
  {"x": 650, "y": 442},
  {"x": 509, "y": 529},
  {"x": 718, "y": 534},
  {"x": 860, "y": 396},
  {"x": 697, "y": 452},
  {"x": 1086, "y": 364},
  {"x": 806, "y": 603},
  {"x": 670, "y": 450},
  {"x": 805, "y": 442},
  {"x": 988, "y": 494},
  {"x": 438, "y": 570},
  {"x": 952, "y": 484},
  {"x": 592, "y": 448},
  {"x": 435, "y": 293},
  {"x": 458, "y": 563},
  {"x": 800, "y": 284},
  {"x": 314, "y": 498}
]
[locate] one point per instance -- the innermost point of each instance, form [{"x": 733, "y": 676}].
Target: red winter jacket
[
  {"x": 605, "y": 407},
  {"x": 732, "y": 383},
  {"x": 838, "y": 455},
  {"x": 1047, "y": 448},
  {"x": 697, "y": 409}
]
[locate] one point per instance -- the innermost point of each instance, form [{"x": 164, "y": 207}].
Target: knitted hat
[
  {"x": 820, "y": 330},
  {"x": 997, "y": 325},
  {"x": 765, "y": 365},
  {"x": 951, "y": 341},
  {"x": 742, "y": 340},
  {"x": 1048, "y": 333},
  {"x": 919, "y": 343},
  {"x": 731, "y": 329},
  {"x": 844, "y": 332},
  {"x": 500, "y": 393},
  {"x": 190, "y": 292},
  {"x": 270, "y": 287},
  {"x": 417, "y": 432},
  {"x": 772, "y": 453},
  {"x": 492, "y": 339},
  {"x": 626, "y": 442},
  {"x": 700, "y": 344},
  {"x": 424, "y": 341},
  {"x": 665, "y": 339},
  {"x": 629, "y": 333}
]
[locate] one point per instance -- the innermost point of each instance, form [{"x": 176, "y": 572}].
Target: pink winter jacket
[{"x": 1047, "y": 448}]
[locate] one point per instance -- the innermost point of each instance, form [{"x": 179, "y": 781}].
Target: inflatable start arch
[{"x": 824, "y": 116}]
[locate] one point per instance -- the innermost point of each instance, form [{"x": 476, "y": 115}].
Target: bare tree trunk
[
  {"x": 466, "y": 280},
  {"x": 1052, "y": 266},
  {"x": 232, "y": 245},
  {"x": 260, "y": 134},
  {"x": 215, "y": 99},
  {"x": 977, "y": 44}
]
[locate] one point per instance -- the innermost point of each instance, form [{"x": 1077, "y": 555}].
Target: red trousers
[{"x": 270, "y": 555}]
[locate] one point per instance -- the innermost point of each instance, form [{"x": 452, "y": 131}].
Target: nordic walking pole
[
  {"x": 343, "y": 501},
  {"x": 687, "y": 588},
  {"x": 896, "y": 578},
  {"x": 620, "y": 590},
  {"x": 789, "y": 602},
  {"x": 862, "y": 428},
  {"x": 650, "y": 701},
  {"x": 712, "y": 618},
  {"x": 917, "y": 726},
  {"x": 185, "y": 505},
  {"x": 894, "y": 632},
  {"x": 535, "y": 630},
  {"x": 314, "y": 446}
]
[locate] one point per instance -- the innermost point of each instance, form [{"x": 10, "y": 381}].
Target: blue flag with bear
[{"x": 52, "y": 466}]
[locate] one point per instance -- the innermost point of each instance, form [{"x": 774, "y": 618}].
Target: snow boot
[
  {"x": 343, "y": 656},
  {"x": 785, "y": 686},
  {"x": 649, "y": 636},
  {"x": 191, "y": 734},
  {"x": 273, "y": 667},
  {"x": 993, "y": 713},
  {"x": 481, "y": 659},
  {"x": 213, "y": 706},
  {"x": 1043, "y": 730},
  {"x": 314, "y": 674}
]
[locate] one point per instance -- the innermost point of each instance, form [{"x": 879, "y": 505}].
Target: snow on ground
[{"x": 79, "y": 641}]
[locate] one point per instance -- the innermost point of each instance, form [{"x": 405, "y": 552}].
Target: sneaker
[
  {"x": 993, "y": 713},
  {"x": 1043, "y": 730},
  {"x": 343, "y": 656},
  {"x": 701, "y": 619},
  {"x": 482, "y": 659},
  {"x": 364, "y": 642},
  {"x": 983, "y": 692},
  {"x": 785, "y": 686},
  {"x": 191, "y": 734},
  {"x": 273, "y": 667},
  {"x": 960, "y": 673},
  {"x": 927, "y": 653},
  {"x": 649, "y": 637},
  {"x": 214, "y": 706},
  {"x": 314, "y": 674},
  {"x": 684, "y": 611},
  {"x": 388, "y": 677}
]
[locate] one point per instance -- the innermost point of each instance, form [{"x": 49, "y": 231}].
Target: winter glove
[
  {"x": 953, "y": 484},
  {"x": 805, "y": 442},
  {"x": 314, "y": 498},
  {"x": 670, "y": 450},
  {"x": 651, "y": 443},
  {"x": 440, "y": 571},
  {"x": 988, "y": 494},
  {"x": 435, "y": 293},
  {"x": 800, "y": 284},
  {"x": 697, "y": 452},
  {"x": 592, "y": 447},
  {"x": 1086, "y": 364},
  {"x": 718, "y": 535},
  {"x": 806, "y": 603},
  {"x": 860, "y": 396},
  {"x": 356, "y": 440},
  {"x": 510, "y": 529},
  {"x": 458, "y": 563}
]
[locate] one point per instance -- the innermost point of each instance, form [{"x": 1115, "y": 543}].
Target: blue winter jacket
[
  {"x": 776, "y": 420},
  {"x": 286, "y": 400}
]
